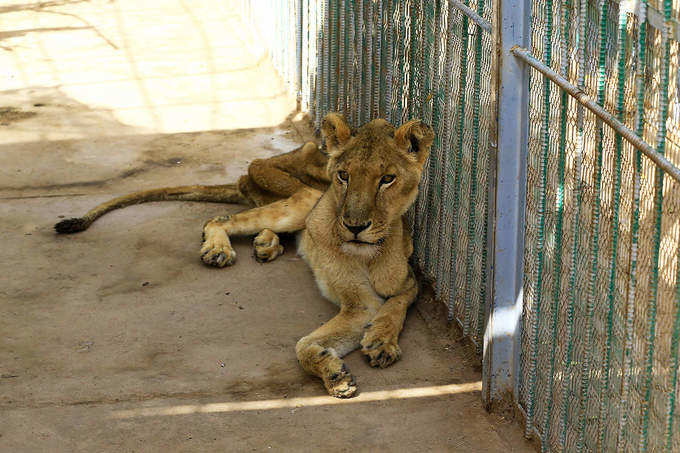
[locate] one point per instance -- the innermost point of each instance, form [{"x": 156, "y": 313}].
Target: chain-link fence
[
  {"x": 592, "y": 361},
  {"x": 599, "y": 363}
]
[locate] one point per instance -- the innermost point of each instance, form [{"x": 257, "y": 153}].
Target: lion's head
[{"x": 374, "y": 175}]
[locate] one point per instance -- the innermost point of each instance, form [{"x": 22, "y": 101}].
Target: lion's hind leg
[{"x": 283, "y": 216}]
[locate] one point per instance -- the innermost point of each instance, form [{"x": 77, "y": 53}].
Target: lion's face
[{"x": 374, "y": 177}]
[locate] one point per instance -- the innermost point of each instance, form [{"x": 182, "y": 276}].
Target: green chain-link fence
[
  {"x": 601, "y": 317},
  {"x": 598, "y": 335},
  {"x": 400, "y": 60}
]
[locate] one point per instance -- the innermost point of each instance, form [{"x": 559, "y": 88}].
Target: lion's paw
[
  {"x": 218, "y": 256},
  {"x": 267, "y": 247},
  {"x": 340, "y": 383},
  {"x": 380, "y": 343}
]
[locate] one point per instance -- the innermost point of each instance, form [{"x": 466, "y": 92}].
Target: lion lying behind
[{"x": 348, "y": 207}]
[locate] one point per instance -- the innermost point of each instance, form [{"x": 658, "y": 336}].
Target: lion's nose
[{"x": 356, "y": 229}]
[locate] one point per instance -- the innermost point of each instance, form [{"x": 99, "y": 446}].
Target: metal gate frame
[{"x": 501, "y": 340}]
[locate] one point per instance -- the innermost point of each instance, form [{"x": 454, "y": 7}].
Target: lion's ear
[
  {"x": 335, "y": 131},
  {"x": 415, "y": 138}
]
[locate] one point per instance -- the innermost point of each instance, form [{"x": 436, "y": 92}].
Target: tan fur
[{"x": 353, "y": 237}]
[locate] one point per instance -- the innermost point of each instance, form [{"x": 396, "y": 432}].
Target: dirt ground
[{"x": 118, "y": 338}]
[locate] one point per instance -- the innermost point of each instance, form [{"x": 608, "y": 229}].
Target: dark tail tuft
[{"x": 73, "y": 225}]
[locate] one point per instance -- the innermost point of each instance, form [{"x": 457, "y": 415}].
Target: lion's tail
[{"x": 228, "y": 193}]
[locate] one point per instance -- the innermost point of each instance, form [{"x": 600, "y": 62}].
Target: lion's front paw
[
  {"x": 218, "y": 254},
  {"x": 380, "y": 343},
  {"x": 267, "y": 247},
  {"x": 216, "y": 249},
  {"x": 340, "y": 383},
  {"x": 218, "y": 257}
]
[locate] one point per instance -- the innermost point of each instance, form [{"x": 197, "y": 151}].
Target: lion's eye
[
  {"x": 387, "y": 179},
  {"x": 343, "y": 176}
]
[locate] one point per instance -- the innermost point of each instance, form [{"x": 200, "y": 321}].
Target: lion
[{"x": 348, "y": 209}]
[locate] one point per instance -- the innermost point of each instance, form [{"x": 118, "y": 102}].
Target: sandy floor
[{"x": 118, "y": 338}]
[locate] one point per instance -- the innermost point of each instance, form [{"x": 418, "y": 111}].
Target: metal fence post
[
  {"x": 298, "y": 51},
  {"x": 502, "y": 334}
]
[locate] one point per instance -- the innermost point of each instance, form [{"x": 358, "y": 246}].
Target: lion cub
[{"x": 354, "y": 238}]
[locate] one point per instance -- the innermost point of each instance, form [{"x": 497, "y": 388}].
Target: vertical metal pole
[
  {"x": 298, "y": 52},
  {"x": 502, "y": 334}
]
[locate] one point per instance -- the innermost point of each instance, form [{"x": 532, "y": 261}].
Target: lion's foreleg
[
  {"x": 320, "y": 353},
  {"x": 380, "y": 342},
  {"x": 282, "y": 216}
]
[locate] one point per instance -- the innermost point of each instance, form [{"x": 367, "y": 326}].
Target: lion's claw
[
  {"x": 341, "y": 384},
  {"x": 218, "y": 257},
  {"x": 383, "y": 356},
  {"x": 345, "y": 390},
  {"x": 380, "y": 345},
  {"x": 267, "y": 247}
]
